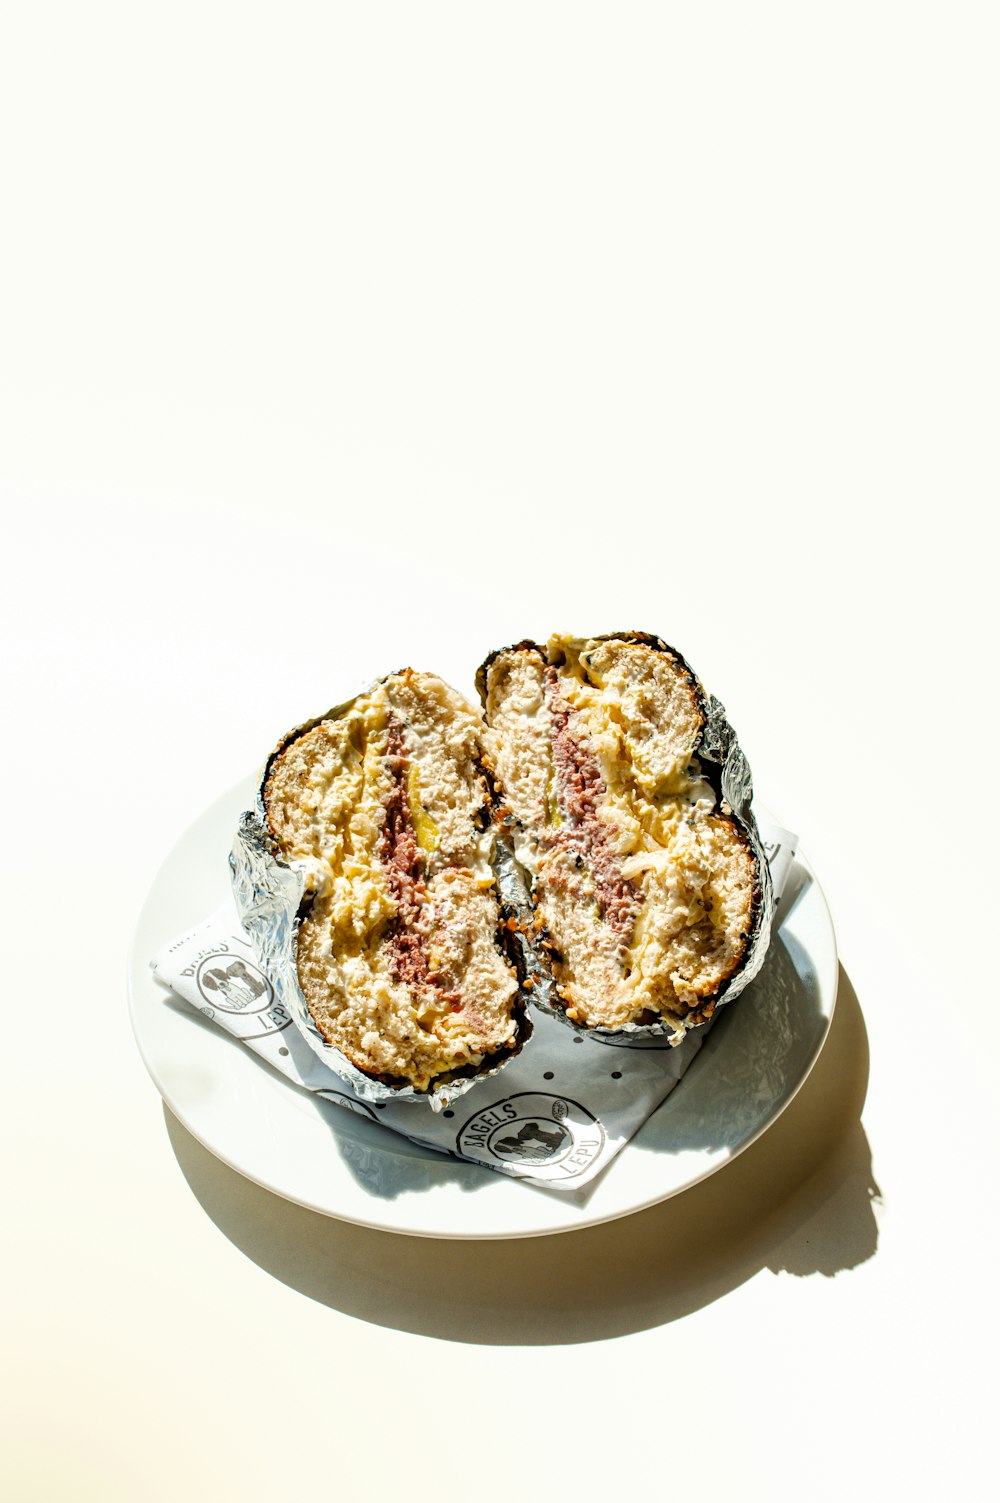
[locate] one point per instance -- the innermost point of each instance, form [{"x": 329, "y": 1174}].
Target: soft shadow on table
[{"x": 799, "y": 1201}]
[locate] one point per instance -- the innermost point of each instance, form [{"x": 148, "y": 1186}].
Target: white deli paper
[{"x": 555, "y": 1115}]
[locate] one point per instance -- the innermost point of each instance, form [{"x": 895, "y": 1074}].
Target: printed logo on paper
[
  {"x": 350, "y": 1103},
  {"x": 548, "y": 1137},
  {"x": 231, "y": 984}
]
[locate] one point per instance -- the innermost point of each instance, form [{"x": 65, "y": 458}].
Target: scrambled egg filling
[
  {"x": 644, "y": 886},
  {"x": 396, "y": 953}
]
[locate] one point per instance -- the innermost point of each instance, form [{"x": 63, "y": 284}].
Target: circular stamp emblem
[
  {"x": 231, "y": 984},
  {"x": 548, "y": 1137},
  {"x": 349, "y": 1103}
]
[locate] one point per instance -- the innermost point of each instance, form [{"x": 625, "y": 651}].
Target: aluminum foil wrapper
[
  {"x": 269, "y": 895},
  {"x": 726, "y": 767}
]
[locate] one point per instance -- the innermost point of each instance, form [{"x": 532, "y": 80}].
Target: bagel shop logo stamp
[
  {"x": 236, "y": 992},
  {"x": 231, "y": 984},
  {"x": 548, "y": 1137}
]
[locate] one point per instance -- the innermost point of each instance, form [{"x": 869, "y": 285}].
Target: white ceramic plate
[{"x": 313, "y": 1152}]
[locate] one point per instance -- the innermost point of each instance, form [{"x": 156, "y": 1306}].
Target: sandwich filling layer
[
  {"x": 387, "y": 807},
  {"x": 644, "y": 884}
]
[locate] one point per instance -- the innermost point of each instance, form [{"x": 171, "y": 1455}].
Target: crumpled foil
[
  {"x": 269, "y": 894},
  {"x": 727, "y": 768}
]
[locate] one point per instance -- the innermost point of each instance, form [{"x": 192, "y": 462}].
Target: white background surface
[{"x": 337, "y": 336}]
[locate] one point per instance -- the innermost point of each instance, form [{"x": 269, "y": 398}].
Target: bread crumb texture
[
  {"x": 644, "y": 885},
  {"x": 385, "y": 805}
]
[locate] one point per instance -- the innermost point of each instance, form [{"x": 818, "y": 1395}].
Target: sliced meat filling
[
  {"x": 580, "y": 790},
  {"x": 415, "y": 918}
]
